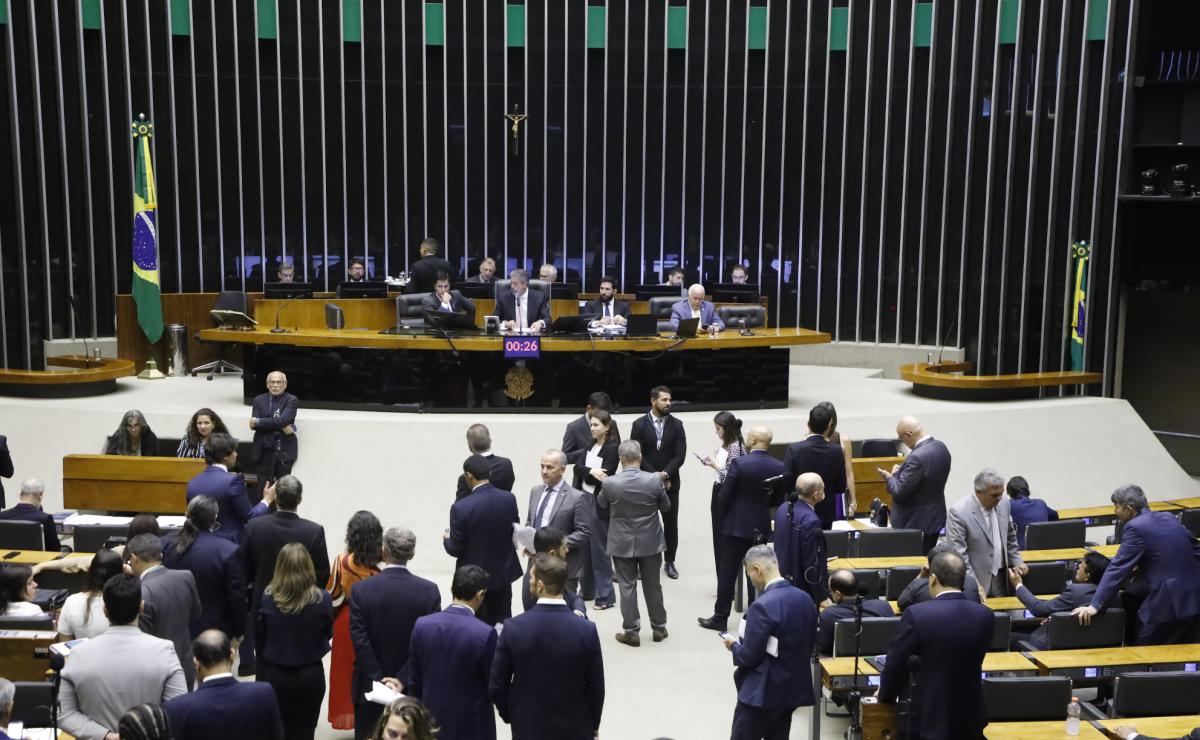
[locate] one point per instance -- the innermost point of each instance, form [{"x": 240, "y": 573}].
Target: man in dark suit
[
  {"x": 607, "y": 307},
  {"x": 273, "y": 419},
  {"x": 216, "y": 565},
  {"x": 950, "y": 634},
  {"x": 815, "y": 454},
  {"x": 228, "y": 489},
  {"x": 521, "y": 307},
  {"x": 799, "y": 539},
  {"x": 1025, "y": 509},
  {"x": 487, "y": 272},
  {"x": 548, "y": 674},
  {"x": 843, "y": 590},
  {"x": 356, "y": 270},
  {"x": 771, "y": 684},
  {"x": 444, "y": 299},
  {"x": 222, "y": 706},
  {"x": 1078, "y": 593},
  {"x": 664, "y": 447},
  {"x": 424, "y": 271},
  {"x": 29, "y": 509},
  {"x": 6, "y": 466},
  {"x": 556, "y": 504},
  {"x": 577, "y": 439},
  {"x": 265, "y": 537},
  {"x": 743, "y": 505},
  {"x": 917, "y": 590},
  {"x": 170, "y": 602},
  {"x": 500, "y": 469},
  {"x": 383, "y": 610},
  {"x": 480, "y": 533},
  {"x": 918, "y": 485},
  {"x": 550, "y": 540},
  {"x": 450, "y": 662},
  {"x": 1166, "y": 556}
]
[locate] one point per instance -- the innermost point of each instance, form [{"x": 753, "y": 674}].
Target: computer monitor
[
  {"x": 367, "y": 289},
  {"x": 450, "y": 321},
  {"x": 734, "y": 292},
  {"x": 687, "y": 328},
  {"x": 573, "y": 324},
  {"x": 641, "y": 325},
  {"x": 646, "y": 292},
  {"x": 564, "y": 291},
  {"x": 288, "y": 290},
  {"x": 476, "y": 290},
  {"x": 335, "y": 318}
]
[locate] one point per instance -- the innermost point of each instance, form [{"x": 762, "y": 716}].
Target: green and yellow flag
[
  {"x": 1081, "y": 252},
  {"x": 146, "y": 292}
]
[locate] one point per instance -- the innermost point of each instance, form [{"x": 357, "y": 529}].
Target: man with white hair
[
  {"x": 980, "y": 529},
  {"x": 273, "y": 419},
  {"x": 7, "y": 692},
  {"x": 29, "y": 509},
  {"x": 548, "y": 272},
  {"x": 695, "y": 307}
]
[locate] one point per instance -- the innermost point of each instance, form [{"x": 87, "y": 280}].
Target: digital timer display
[{"x": 522, "y": 348}]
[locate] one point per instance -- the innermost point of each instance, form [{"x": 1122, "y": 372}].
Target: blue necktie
[{"x": 537, "y": 520}]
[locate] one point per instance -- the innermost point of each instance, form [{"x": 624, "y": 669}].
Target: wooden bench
[{"x": 155, "y": 485}]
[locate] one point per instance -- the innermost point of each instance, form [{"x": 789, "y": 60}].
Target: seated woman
[
  {"x": 203, "y": 425},
  {"x": 83, "y": 613},
  {"x": 17, "y": 589},
  {"x": 132, "y": 438}
]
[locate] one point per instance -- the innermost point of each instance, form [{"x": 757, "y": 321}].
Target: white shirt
[
  {"x": 215, "y": 676},
  {"x": 221, "y": 466},
  {"x": 23, "y": 609},
  {"x": 696, "y": 312},
  {"x": 461, "y": 606},
  {"x": 720, "y": 463},
  {"x": 546, "y": 600},
  {"x": 949, "y": 591},
  {"x": 74, "y": 611},
  {"x": 393, "y": 565}
]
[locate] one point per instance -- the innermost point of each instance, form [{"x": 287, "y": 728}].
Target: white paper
[
  {"x": 593, "y": 460},
  {"x": 772, "y": 642},
  {"x": 165, "y": 521},
  {"x": 844, "y": 526},
  {"x": 64, "y": 648},
  {"x": 381, "y": 694},
  {"x": 523, "y": 538}
]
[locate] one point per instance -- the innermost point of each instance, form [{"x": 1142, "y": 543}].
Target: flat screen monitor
[
  {"x": 573, "y": 324},
  {"x": 335, "y": 318},
  {"x": 734, "y": 293},
  {"x": 641, "y": 325},
  {"x": 646, "y": 292},
  {"x": 368, "y": 289},
  {"x": 450, "y": 321},
  {"x": 288, "y": 290},
  {"x": 564, "y": 291},
  {"x": 476, "y": 290}
]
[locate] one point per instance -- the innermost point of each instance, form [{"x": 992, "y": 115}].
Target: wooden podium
[
  {"x": 879, "y": 721},
  {"x": 154, "y": 485}
]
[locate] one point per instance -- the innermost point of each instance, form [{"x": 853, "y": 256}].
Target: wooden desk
[
  {"x": 1038, "y": 731},
  {"x": 156, "y": 485},
  {"x": 1108, "y": 551},
  {"x": 1179, "y": 726},
  {"x": 949, "y": 380},
  {"x": 1044, "y": 556},
  {"x": 837, "y": 674},
  {"x": 1187, "y": 503},
  {"x": 995, "y": 603},
  {"x": 839, "y": 564},
  {"x": 1092, "y": 663},
  {"x": 33, "y": 557},
  {"x": 890, "y": 562},
  {"x": 1098, "y": 516},
  {"x": 884, "y": 563},
  {"x": 18, "y": 658},
  {"x": 868, "y": 484},
  {"x": 87, "y": 377},
  {"x": 1169, "y": 657}
]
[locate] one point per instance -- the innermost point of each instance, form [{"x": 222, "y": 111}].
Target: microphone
[
  {"x": 87, "y": 355},
  {"x": 288, "y": 302},
  {"x": 945, "y": 336}
]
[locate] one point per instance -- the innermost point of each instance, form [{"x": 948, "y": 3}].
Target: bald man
[
  {"x": 918, "y": 485},
  {"x": 754, "y": 483},
  {"x": 695, "y": 307},
  {"x": 799, "y": 539},
  {"x": 273, "y": 419}
]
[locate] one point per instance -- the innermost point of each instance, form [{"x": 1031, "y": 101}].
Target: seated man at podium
[
  {"x": 520, "y": 307},
  {"x": 695, "y": 307},
  {"x": 444, "y": 299},
  {"x": 287, "y": 273},
  {"x": 607, "y": 307}
]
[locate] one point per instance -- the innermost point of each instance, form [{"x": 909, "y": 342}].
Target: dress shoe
[
  {"x": 632, "y": 639},
  {"x": 601, "y": 606},
  {"x": 660, "y": 634},
  {"x": 714, "y": 623},
  {"x": 671, "y": 571}
]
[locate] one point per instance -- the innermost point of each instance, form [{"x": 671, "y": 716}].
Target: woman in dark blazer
[
  {"x": 132, "y": 438},
  {"x": 214, "y": 562},
  {"x": 589, "y": 479},
  {"x": 294, "y": 626}
]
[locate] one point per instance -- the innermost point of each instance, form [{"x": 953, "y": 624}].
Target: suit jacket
[
  {"x": 501, "y": 476},
  {"x": 525, "y": 674},
  {"x": 1026, "y": 511},
  {"x": 634, "y": 499},
  {"x": 790, "y": 616},
  {"x": 226, "y": 707},
  {"x": 458, "y": 303},
  {"x": 6, "y": 465},
  {"x": 449, "y": 664},
  {"x": 383, "y": 610},
  {"x": 537, "y": 306},
  {"x": 800, "y": 549},
  {"x": 817, "y": 455},
  {"x": 31, "y": 513},
  {"x": 170, "y": 603},
  {"x": 918, "y": 488},
  {"x": 481, "y": 534},
  {"x": 424, "y": 273},
  {"x": 743, "y": 501},
  {"x": 609, "y": 460},
  {"x": 215, "y": 565},
  {"x": 596, "y": 306},
  {"x": 110, "y": 674},
  {"x": 273, "y": 416},
  {"x": 577, "y": 440},
  {"x": 670, "y": 457},
  {"x": 1166, "y": 556},
  {"x": 1075, "y": 594},
  {"x": 951, "y": 635},
  {"x": 708, "y": 314},
  {"x": 478, "y": 279},
  {"x": 572, "y": 514},
  {"x": 233, "y": 505},
  {"x": 917, "y": 592},
  {"x": 293, "y": 640},
  {"x": 267, "y": 535},
  {"x": 968, "y": 533},
  {"x": 845, "y": 610}
]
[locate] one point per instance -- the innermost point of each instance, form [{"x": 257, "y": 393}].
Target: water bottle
[{"x": 1073, "y": 716}]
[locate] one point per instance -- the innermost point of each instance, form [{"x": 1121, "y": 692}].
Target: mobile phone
[
  {"x": 12, "y": 554},
  {"x": 726, "y": 636}
]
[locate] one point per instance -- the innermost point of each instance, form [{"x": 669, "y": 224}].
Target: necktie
[
  {"x": 997, "y": 547},
  {"x": 537, "y": 520}
]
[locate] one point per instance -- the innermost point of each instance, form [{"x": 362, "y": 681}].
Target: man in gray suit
[
  {"x": 118, "y": 669},
  {"x": 556, "y": 504},
  {"x": 918, "y": 485},
  {"x": 981, "y": 531},
  {"x": 636, "y": 542},
  {"x": 170, "y": 600}
]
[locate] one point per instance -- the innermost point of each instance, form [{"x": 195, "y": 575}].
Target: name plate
[{"x": 522, "y": 348}]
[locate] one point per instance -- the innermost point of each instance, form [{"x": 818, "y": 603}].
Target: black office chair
[
  {"x": 837, "y": 544},
  {"x": 21, "y": 535},
  {"x": 1045, "y": 578},
  {"x": 1155, "y": 694},
  {"x": 898, "y": 579},
  {"x": 504, "y": 284},
  {"x": 1026, "y": 699},
  {"x": 1055, "y": 535},
  {"x": 43, "y": 623},
  {"x": 227, "y": 300},
  {"x": 31, "y": 703},
  {"x": 1190, "y": 519},
  {"x": 755, "y": 316},
  {"x": 409, "y": 311},
  {"x": 879, "y": 447},
  {"x": 870, "y": 578},
  {"x": 1002, "y": 633},
  {"x": 887, "y": 543},
  {"x": 91, "y": 537},
  {"x": 877, "y": 634},
  {"x": 660, "y": 308},
  {"x": 1064, "y": 632}
]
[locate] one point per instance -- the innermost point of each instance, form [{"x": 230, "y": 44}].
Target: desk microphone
[
  {"x": 87, "y": 355},
  {"x": 281, "y": 309}
]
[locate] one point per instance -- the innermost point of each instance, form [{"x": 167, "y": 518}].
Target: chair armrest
[
  {"x": 1090, "y": 711},
  {"x": 1026, "y": 648}
]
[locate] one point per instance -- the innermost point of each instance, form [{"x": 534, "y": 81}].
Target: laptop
[
  {"x": 641, "y": 325},
  {"x": 573, "y": 324},
  {"x": 687, "y": 328}
]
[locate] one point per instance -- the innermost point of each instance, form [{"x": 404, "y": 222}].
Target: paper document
[
  {"x": 593, "y": 460},
  {"x": 381, "y": 694},
  {"x": 772, "y": 642},
  {"x": 523, "y": 538}
]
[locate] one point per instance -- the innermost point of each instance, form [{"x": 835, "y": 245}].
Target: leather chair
[
  {"x": 1190, "y": 519},
  {"x": 1156, "y": 694},
  {"x": 21, "y": 535},
  {"x": 887, "y": 543},
  {"x": 1045, "y": 578},
  {"x": 660, "y": 308},
  {"x": 409, "y": 312},
  {"x": 1063, "y": 631},
  {"x": 877, "y": 634},
  {"x": 541, "y": 286},
  {"x": 227, "y": 300},
  {"x": 1026, "y": 699},
  {"x": 837, "y": 544},
  {"x": 31, "y": 703},
  {"x": 1002, "y": 634},
  {"x": 755, "y": 316},
  {"x": 43, "y": 623},
  {"x": 1055, "y": 535},
  {"x": 879, "y": 448},
  {"x": 898, "y": 579},
  {"x": 91, "y": 537},
  {"x": 871, "y": 579}
]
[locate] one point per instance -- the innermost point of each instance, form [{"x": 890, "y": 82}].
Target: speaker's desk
[
  {"x": 156, "y": 485},
  {"x": 1051, "y": 730}
]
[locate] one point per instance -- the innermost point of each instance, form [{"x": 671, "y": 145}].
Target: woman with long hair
[
  {"x": 729, "y": 430},
  {"x": 214, "y": 564},
  {"x": 405, "y": 719},
  {"x": 132, "y": 438},
  {"x": 145, "y": 722},
  {"x": 599, "y": 462},
  {"x": 832, "y": 435},
  {"x": 17, "y": 588},
  {"x": 204, "y": 424},
  {"x": 294, "y": 625},
  {"x": 364, "y": 545},
  {"x": 83, "y": 613}
]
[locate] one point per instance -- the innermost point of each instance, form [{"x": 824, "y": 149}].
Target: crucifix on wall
[{"x": 516, "y": 117}]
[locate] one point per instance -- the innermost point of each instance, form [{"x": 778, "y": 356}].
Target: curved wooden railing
[
  {"x": 87, "y": 376},
  {"x": 953, "y": 377}
]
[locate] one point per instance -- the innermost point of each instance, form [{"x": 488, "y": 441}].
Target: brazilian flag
[
  {"x": 146, "y": 292},
  {"x": 1081, "y": 252}
]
